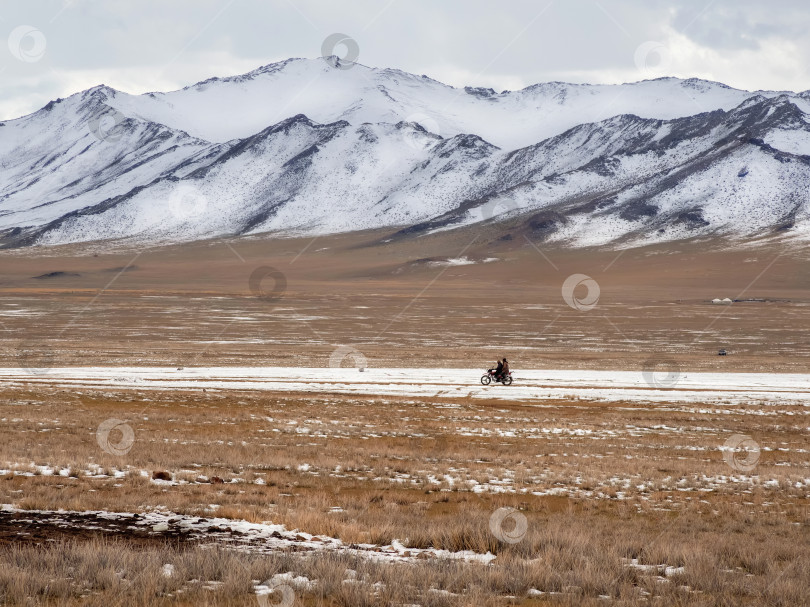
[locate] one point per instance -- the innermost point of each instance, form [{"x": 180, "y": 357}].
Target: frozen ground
[
  {"x": 256, "y": 537},
  {"x": 392, "y": 477},
  {"x": 663, "y": 385}
]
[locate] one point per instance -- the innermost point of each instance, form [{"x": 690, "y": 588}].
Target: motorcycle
[{"x": 487, "y": 379}]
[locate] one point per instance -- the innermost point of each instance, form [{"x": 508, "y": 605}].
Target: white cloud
[{"x": 142, "y": 45}]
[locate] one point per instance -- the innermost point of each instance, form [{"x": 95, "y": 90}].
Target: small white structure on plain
[
  {"x": 726, "y": 300},
  {"x": 717, "y": 300}
]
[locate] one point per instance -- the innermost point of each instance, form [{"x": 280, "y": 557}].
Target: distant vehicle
[
  {"x": 487, "y": 379},
  {"x": 721, "y": 352}
]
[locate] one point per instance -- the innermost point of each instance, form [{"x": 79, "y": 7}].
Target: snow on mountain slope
[
  {"x": 638, "y": 181},
  {"x": 297, "y": 175},
  {"x": 75, "y": 153},
  {"x": 221, "y": 109},
  {"x": 105, "y": 165},
  {"x": 623, "y": 179}
]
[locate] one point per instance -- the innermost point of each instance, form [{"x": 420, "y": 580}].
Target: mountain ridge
[{"x": 97, "y": 166}]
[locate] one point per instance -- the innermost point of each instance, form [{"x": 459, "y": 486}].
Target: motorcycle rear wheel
[{"x": 507, "y": 381}]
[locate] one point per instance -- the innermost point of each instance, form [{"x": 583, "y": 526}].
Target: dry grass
[
  {"x": 568, "y": 567},
  {"x": 192, "y": 304},
  {"x": 613, "y": 483}
]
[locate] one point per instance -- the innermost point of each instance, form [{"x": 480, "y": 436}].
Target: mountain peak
[
  {"x": 320, "y": 145},
  {"x": 99, "y": 90},
  {"x": 338, "y": 63}
]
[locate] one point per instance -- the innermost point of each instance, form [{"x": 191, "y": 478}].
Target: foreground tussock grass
[
  {"x": 568, "y": 570},
  {"x": 605, "y": 490}
]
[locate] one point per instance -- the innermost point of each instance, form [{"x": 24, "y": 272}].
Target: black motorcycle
[{"x": 487, "y": 379}]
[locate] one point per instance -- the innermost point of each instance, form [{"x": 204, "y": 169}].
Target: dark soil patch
[
  {"x": 37, "y": 528},
  {"x": 57, "y": 274}
]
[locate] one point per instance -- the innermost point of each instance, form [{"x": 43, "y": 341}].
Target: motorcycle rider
[
  {"x": 497, "y": 370},
  {"x": 504, "y": 368}
]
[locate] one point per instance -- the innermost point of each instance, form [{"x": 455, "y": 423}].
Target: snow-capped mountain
[{"x": 307, "y": 147}]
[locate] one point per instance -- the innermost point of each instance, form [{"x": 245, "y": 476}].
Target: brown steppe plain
[{"x": 625, "y": 503}]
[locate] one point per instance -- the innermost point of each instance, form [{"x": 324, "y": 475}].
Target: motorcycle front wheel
[
  {"x": 485, "y": 380},
  {"x": 507, "y": 381}
]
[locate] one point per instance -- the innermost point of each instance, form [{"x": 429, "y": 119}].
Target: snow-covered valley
[{"x": 655, "y": 386}]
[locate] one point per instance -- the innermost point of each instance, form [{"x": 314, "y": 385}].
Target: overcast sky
[{"x": 58, "y": 47}]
